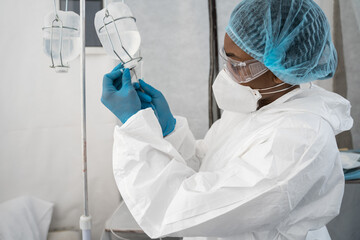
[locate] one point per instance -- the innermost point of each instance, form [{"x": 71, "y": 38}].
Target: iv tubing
[{"x": 55, "y": 7}]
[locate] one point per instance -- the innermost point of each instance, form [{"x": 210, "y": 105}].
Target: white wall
[
  {"x": 175, "y": 49},
  {"x": 40, "y": 142}
]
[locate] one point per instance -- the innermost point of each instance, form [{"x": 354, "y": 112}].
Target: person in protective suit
[{"x": 270, "y": 167}]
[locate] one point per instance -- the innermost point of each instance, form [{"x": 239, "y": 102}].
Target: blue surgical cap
[{"x": 290, "y": 37}]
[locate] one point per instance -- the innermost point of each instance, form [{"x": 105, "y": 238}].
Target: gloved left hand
[{"x": 120, "y": 97}]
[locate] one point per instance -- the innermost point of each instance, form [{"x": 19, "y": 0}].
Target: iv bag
[
  {"x": 118, "y": 33},
  {"x": 61, "y": 38}
]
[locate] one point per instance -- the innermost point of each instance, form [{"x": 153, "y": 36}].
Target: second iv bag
[
  {"x": 118, "y": 33},
  {"x": 61, "y": 38}
]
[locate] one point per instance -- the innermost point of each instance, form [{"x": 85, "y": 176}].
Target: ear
[{"x": 276, "y": 79}]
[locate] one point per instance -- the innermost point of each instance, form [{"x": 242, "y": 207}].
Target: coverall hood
[{"x": 330, "y": 106}]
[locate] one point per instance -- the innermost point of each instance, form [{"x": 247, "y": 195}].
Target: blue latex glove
[
  {"x": 119, "y": 95},
  {"x": 158, "y": 104}
]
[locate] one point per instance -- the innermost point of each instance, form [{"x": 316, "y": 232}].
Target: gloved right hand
[{"x": 158, "y": 104}]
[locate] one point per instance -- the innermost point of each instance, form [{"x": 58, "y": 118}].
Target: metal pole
[
  {"x": 85, "y": 220},
  {"x": 214, "y": 111},
  {"x": 83, "y": 102},
  {"x": 340, "y": 86}
]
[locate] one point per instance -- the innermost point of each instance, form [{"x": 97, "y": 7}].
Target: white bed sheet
[{"x": 25, "y": 218}]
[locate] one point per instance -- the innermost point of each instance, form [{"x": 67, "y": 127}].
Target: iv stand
[{"x": 85, "y": 220}]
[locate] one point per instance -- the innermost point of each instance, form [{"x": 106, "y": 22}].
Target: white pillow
[{"x": 25, "y": 218}]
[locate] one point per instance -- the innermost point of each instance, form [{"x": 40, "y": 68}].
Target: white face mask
[
  {"x": 234, "y": 97},
  {"x": 231, "y": 96}
]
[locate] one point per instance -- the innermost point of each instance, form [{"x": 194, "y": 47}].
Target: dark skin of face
[{"x": 266, "y": 80}]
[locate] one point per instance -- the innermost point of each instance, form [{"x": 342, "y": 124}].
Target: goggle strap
[
  {"x": 281, "y": 90},
  {"x": 276, "y": 86}
]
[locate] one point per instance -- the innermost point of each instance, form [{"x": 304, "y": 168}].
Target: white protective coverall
[{"x": 271, "y": 174}]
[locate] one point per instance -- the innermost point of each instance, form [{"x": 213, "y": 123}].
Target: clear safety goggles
[{"x": 242, "y": 72}]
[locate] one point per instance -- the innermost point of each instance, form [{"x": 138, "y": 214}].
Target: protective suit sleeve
[
  {"x": 255, "y": 191},
  {"x": 182, "y": 139},
  {"x": 184, "y": 142}
]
